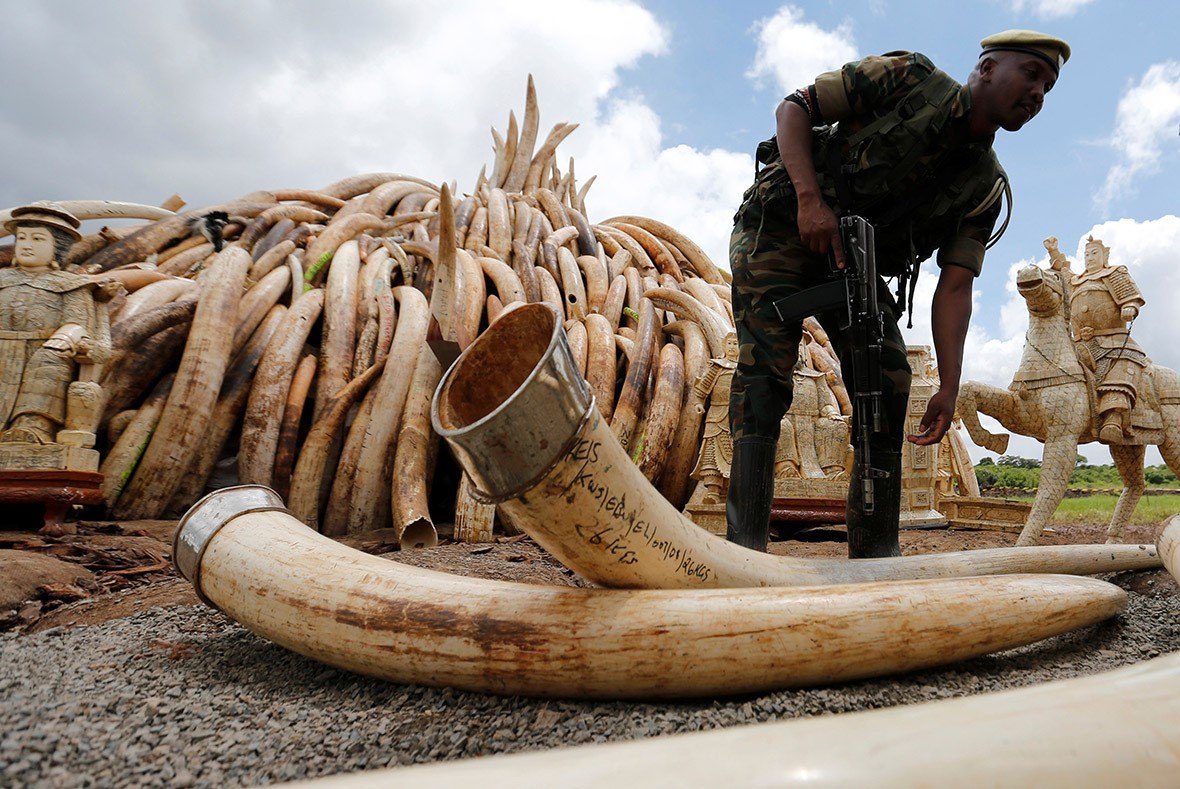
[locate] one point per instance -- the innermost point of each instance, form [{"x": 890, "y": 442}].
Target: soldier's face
[
  {"x": 1019, "y": 83},
  {"x": 34, "y": 246}
]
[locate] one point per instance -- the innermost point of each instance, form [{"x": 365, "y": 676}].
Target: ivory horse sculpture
[{"x": 1051, "y": 399}]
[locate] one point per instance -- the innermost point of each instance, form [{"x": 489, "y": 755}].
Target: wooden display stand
[{"x": 58, "y": 490}]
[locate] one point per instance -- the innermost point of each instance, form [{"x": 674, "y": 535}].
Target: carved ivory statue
[
  {"x": 814, "y": 438},
  {"x": 1064, "y": 393},
  {"x": 51, "y": 321},
  {"x": 712, "y": 468},
  {"x": 1103, "y": 300},
  {"x": 813, "y": 443}
]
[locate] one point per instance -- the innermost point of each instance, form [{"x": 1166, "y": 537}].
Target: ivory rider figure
[
  {"x": 50, "y": 322},
  {"x": 1103, "y": 302},
  {"x": 713, "y": 387}
]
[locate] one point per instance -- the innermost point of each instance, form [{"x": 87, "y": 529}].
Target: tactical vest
[{"x": 861, "y": 170}]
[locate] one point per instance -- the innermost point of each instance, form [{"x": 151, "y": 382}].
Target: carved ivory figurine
[
  {"x": 1103, "y": 301},
  {"x": 51, "y": 322},
  {"x": 1081, "y": 378},
  {"x": 814, "y": 438},
  {"x": 712, "y": 468}
]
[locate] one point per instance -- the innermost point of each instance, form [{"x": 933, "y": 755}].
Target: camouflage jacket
[{"x": 895, "y": 125}]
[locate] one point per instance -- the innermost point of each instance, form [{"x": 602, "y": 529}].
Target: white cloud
[
  {"x": 1147, "y": 116},
  {"x": 1049, "y": 9},
  {"x": 1148, "y": 249},
  {"x": 794, "y": 51},
  {"x": 402, "y": 87},
  {"x": 422, "y": 102},
  {"x": 694, "y": 191},
  {"x": 255, "y": 104}
]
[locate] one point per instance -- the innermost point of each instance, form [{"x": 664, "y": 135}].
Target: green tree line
[{"x": 1011, "y": 471}]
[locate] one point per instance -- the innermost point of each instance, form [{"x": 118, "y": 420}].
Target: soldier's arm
[
  {"x": 818, "y": 227},
  {"x": 855, "y": 90}
]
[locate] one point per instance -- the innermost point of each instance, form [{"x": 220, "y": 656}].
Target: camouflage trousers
[{"x": 769, "y": 261}]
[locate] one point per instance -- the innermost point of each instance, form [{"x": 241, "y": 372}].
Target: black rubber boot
[
  {"x": 874, "y": 536},
  {"x": 751, "y": 489}
]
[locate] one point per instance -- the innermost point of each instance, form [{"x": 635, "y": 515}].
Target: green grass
[{"x": 1098, "y": 509}]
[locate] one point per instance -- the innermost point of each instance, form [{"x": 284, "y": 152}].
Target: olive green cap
[{"x": 1051, "y": 49}]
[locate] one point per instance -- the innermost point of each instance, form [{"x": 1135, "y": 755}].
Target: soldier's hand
[
  {"x": 940, "y": 412},
  {"x": 1128, "y": 313},
  {"x": 820, "y": 230}
]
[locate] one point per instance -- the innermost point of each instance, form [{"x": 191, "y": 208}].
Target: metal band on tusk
[
  {"x": 205, "y": 518},
  {"x": 532, "y": 482},
  {"x": 510, "y": 438}
]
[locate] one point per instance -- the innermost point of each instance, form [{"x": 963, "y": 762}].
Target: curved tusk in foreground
[
  {"x": 521, "y": 421},
  {"x": 1169, "y": 546},
  {"x": 266, "y": 570},
  {"x": 1117, "y": 728}
]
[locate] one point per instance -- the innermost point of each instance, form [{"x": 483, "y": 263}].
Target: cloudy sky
[{"x": 137, "y": 100}]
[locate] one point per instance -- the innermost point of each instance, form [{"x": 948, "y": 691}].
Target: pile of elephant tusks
[{"x": 279, "y": 349}]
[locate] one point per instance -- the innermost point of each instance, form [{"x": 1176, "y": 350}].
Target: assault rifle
[{"x": 853, "y": 291}]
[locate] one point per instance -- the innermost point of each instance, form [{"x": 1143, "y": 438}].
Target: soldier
[
  {"x": 895, "y": 140},
  {"x": 1103, "y": 300}
]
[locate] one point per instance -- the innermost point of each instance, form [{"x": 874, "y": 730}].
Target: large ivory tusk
[
  {"x": 523, "y": 155},
  {"x": 230, "y": 402},
  {"x": 696, "y": 256},
  {"x": 155, "y": 236},
  {"x": 1169, "y": 546},
  {"x": 339, "y": 327},
  {"x": 265, "y": 569},
  {"x": 414, "y": 459},
  {"x": 354, "y": 185},
  {"x": 654, "y": 248},
  {"x": 370, "y": 507},
  {"x": 189, "y": 408},
  {"x": 521, "y": 422},
  {"x": 1110, "y": 729},
  {"x": 99, "y": 209},
  {"x": 268, "y": 391},
  {"x": 156, "y": 295}
]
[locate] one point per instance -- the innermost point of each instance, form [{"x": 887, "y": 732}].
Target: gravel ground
[{"x": 183, "y": 696}]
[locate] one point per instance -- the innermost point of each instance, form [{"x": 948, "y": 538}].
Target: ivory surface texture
[
  {"x": 597, "y": 513},
  {"x": 1112, "y": 729},
  {"x": 373, "y": 616}
]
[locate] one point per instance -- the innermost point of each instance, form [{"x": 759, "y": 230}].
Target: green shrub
[{"x": 1159, "y": 475}]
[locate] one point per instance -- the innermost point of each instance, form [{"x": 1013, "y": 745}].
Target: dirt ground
[{"x": 124, "y": 568}]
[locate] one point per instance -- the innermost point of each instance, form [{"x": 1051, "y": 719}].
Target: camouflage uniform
[
  {"x": 769, "y": 260},
  {"x": 900, "y": 137}
]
